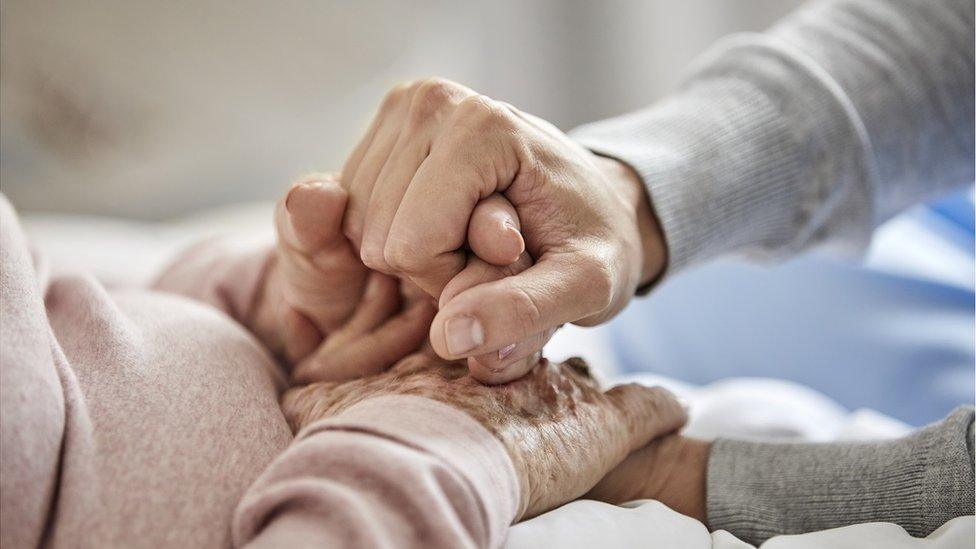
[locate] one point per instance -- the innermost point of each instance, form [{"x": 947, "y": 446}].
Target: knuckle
[
  {"x": 660, "y": 400},
  {"x": 598, "y": 276},
  {"x": 373, "y": 257},
  {"x": 526, "y": 312},
  {"x": 481, "y": 112},
  {"x": 396, "y": 95},
  {"x": 403, "y": 257},
  {"x": 633, "y": 403},
  {"x": 352, "y": 232},
  {"x": 431, "y": 96}
]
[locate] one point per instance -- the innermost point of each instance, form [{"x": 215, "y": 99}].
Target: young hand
[
  {"x": 434, "y": 152},
  {"x": 670, "y": 469}
]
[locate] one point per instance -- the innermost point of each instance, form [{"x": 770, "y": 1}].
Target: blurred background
[
  {"x": 156, "y": 109},
  {"x": 117, "y": 115}
]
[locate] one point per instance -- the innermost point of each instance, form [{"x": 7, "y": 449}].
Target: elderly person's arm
[
  {"x": 758, "y": 489},
  {"x": 421, "y": 455},
  {"x": 425, "y": 456}
]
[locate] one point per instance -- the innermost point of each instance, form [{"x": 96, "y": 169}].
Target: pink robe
[{"x": 150, "y": 418}]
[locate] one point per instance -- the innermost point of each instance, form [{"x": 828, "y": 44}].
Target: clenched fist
[{"x": 581, "y": 238}]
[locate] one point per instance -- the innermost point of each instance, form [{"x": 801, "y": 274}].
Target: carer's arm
[
  {"x": 836, "y": 119},
  {"x": 757, "y": 489}
]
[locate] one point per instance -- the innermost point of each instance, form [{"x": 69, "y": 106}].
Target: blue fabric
[{"x": 900, "y": 344}]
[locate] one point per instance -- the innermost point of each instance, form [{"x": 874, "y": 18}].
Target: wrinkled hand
[
  {"x": 562, "y": 433},
  {"x": 436, "y": 151},
  {"x": 322, "y": 310}
]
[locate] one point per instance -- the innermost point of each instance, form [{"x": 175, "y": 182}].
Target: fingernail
[
  {"x": 463, "y": 334},
  {"x": 291, "y": 193},
  {"x": 505, "y": 351},
  {"x": 299, "y": 185},
  {"x": 518, "y": 235}
]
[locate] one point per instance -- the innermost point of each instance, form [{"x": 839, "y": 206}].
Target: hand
[
  {"x": 670, "y": 469},
  {"x": 562, "y": 433},
  {"x": 436, "y": 150},
  {"x": 322, "y": 310}
]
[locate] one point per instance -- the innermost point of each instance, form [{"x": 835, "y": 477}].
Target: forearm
[
  {"x": 760, "y": 489},
  {"x": 239, "y": 278},
  {"x": 220, "y": 272},
  {"x": 427, "y": 475},
  {"x": 810, "y": 134},
  {"x": 757, "y": 490}
]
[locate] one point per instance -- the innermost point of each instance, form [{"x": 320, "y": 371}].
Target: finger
[
  {"x": 478, "y": 272},
  {"x": 388, "y": 191},
  {"x": 494, "y": 232},
  {"x": 300, "y": 336},
  {"x": 352, "y": 163},
  {"x": 372, "y": 353},
  {"x": 310, "y": 216},
  {"x": 581, "y": 370},
  {"x": 487, "y": 317},
  {"x": 314, "y": 256},
  {"x": 646, "y": 413},
  {"x": 430, "y": 101},
  {"x": 391, "y": 118},
  {"x": 510, "y": 362},
  {"x": 473, "y": 159},
  {"x": 380, "y": 300},
  {"x": 513, "y": 360},
  {"x": 411, "y": 291},
  {"x": 488, "y": 377}
]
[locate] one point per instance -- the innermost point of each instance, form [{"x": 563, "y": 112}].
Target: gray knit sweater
[{"x": 810, "y": 135}]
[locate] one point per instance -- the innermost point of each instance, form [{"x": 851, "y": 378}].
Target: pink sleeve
[
  {"x": 398, "y": 471},
  {"x": 222, "y": 273}
]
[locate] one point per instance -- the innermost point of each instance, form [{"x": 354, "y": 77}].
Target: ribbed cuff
[
  {"x": 757, "y": 489},
  {"x": 448, "y": 433},
  {"x": 737, "y": 161}
]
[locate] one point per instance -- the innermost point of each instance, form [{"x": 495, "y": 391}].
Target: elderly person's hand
[
  {"x": 436, "y": 150},
  {"x": 322, "y": 311},
  {"x": 562, "y": 433},
  {"x": 327, "y": 315}
]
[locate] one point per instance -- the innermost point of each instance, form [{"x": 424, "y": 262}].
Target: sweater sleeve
[
  {"x": 760, "y": 489},
  {"x": 222, "y": 273},
  {"x": 392, "y": 471},
  {"x": 808, "y": 135}
]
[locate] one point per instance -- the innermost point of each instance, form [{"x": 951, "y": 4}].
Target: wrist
[
  {"x": 652, "y": 243},
  {"x": 671, "y": 470},
  {"x": 679, "y": 481},
  {"x": 264, "y": 320}
]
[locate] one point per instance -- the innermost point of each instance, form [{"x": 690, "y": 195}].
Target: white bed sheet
[{"x": 130, "y": 252}]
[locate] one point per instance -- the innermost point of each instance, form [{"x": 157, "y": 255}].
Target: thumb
[
  {"x": 494, "y": 232},
  {"x": 495, "y": 314}
]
